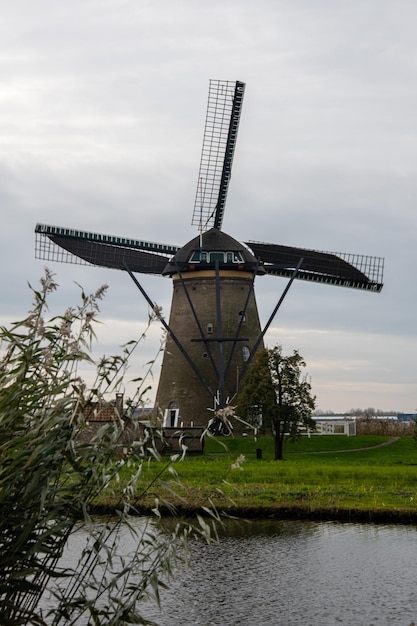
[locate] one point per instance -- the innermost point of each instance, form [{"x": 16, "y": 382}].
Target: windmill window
[
  {"x": 217, "y": 256},
  {"x": 205, "y": 355},
  {"x": 199, "y": 257},
  {"x": 242, "y": 316},
  {"x": 171, "y": 415},
  {"x": 246, "y": 353},
  {"x": 209, "y": 329}
]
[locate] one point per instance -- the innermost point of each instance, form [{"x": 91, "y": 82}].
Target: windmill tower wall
[{"x": 181, "y": 394}]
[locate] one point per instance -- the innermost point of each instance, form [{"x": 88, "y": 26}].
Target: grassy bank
[{"x": 327, "y": 477}]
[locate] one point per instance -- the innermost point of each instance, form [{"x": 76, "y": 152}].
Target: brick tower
[{"x": 214, "y": 327}]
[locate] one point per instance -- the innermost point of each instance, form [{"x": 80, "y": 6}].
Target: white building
[{"x": 335, "y": 425}]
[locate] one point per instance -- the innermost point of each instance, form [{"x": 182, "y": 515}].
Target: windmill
[{"x": 214, "y": 330}]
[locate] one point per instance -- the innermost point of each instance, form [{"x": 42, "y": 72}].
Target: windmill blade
[
  {"x": 334, "y": 268},
  {"x": 220, "y": 134},
  {"x": 54, "y": 243}
]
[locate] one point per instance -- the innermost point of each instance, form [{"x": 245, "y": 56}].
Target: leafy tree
[
  {"x": 49, "y": 480},
  {"x": 275, "y": 383},
  {"x": 257, "y": 396}
]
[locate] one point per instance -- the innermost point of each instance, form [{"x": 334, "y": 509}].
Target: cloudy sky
[{"x": 102, "y": 109}]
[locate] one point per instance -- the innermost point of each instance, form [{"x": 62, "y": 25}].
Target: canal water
[{"x": 295, "y": 573}]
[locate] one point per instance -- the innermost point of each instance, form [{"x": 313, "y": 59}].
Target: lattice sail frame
[
  {"x": 220, "y": 134},
  {"x": 343, "y": 269},
  {"x": 67, "y": 245},
  {"x": 54, "y": 243}
]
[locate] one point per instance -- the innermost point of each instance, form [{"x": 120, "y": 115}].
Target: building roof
[
  {"x": 211, "y": 240},
  {"x": 101, "y": 412}
]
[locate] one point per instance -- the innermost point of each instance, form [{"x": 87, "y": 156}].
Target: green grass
[
  {"x": 323, "y": 475},
  {"x": 315, "y": 443}
]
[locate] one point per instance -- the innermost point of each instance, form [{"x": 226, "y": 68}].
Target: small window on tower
[
  {"x": 209, "y": 329},
  {"x": 246, "y": 353},
  {"x": 198, "y": 256},
  {"x": 242, "y": 316}
]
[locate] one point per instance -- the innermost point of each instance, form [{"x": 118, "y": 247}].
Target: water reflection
[
  {"x": 292, "y": 573},
  {"x": 297, "y": 573}
]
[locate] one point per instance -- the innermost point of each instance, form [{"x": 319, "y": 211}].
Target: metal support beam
[
  {"x": 267, "y": 325},
  {"x": 197, "y": 321},
  {"x": 220, "y": 347},
  {"x": 250, "y": 292},
  {"x": 172, "y": 335}
]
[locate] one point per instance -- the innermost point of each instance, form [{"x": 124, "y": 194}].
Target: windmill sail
[
  {"x": 333, "y": 268},
  {"x": 54, "y": 243},
  {"x": 220, "y": 134}
]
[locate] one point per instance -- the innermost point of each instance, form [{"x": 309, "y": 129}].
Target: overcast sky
[{"x": 102, "y": 109}]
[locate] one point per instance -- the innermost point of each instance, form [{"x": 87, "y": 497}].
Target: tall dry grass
[
  {"x": 386, "y": 427},
  {"x": 49, "y": 480}
]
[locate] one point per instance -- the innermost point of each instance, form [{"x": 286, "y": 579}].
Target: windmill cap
[{"x": 201, "y": 253}]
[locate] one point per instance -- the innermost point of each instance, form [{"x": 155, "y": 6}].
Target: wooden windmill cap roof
[{"x": 212, "y": 240}]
